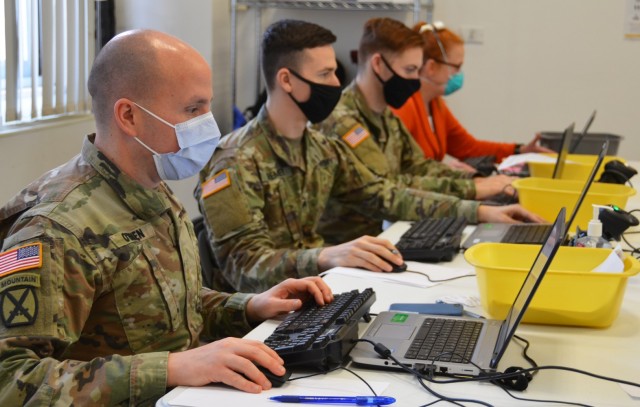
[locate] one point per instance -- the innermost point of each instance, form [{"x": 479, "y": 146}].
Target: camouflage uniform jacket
[
  {"x": 263, "y": 196},
  {"x": 383, "y": 144},
  {"x": 105, "y": 284}
]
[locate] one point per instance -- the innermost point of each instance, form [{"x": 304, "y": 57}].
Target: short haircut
[
  {"x": 283, "y": 43},
  {"x": 385, "y": 35},
  {"x": 430, "y": 47},
  {"x": 126, "y": 67}
]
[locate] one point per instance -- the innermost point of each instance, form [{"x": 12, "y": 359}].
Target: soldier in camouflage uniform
[
  {"x": 273, "y": 177},
  {"x": 389, "y": 57},
  {"x": 100, "y": 286}
]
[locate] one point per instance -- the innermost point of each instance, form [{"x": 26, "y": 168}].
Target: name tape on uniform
[
  {"x": 21, "y": 258},
  {"x": 216, "y": 183},
  {"x": 355, "y": 136}
]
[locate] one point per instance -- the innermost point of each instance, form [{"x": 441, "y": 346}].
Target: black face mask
[
  {"x": 322, "y": 100},
  {"x": 397, "y": 90}
]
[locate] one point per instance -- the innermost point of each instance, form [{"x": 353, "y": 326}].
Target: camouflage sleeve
[
  {"x": 224, "y": 314},
  {"x": 44, "y": 309},
  {"x": 242, "y": 244},
  {"x": 428, "y": 174},
  {"x": 369, "y": 194}
]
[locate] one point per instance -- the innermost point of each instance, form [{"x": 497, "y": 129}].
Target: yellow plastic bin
[
  {"x": 570, "y": 293},
  {"x": 545, "y": 196},
  {"x": 577, "y": 166}
]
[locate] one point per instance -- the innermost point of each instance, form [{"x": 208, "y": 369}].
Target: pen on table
[
  {"x": 357, "y": 400},
  {"x": 472, "y": 314}
]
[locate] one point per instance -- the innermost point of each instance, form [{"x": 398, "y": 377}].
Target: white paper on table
[
  {"x": 631, "y": 390},
  {"x": 518, "y": 159},
  {"x": 434, "y": 273},
  {"x": 314, "y": 386}
]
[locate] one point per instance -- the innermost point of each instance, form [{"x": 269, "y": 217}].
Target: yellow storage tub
[
  {"x": 577, "y": 167},
  {"x": 545, "y": 196},
  {"x": 570, "y": 294}
]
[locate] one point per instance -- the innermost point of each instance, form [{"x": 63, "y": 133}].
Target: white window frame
[{"x": 48, "y": 50}]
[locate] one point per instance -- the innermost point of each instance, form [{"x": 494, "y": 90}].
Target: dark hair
[
  {"x": 283, "y": 41},
  {"x": 385, "y": 34}
]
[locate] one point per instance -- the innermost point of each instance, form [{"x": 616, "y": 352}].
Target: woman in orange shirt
[{"x": 427, "y": 116}]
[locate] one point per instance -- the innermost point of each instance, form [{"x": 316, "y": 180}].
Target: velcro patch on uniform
[
  {"x": 138, "y": 234},
  {"x": 21, "y": 258},
  {"x": 355, "y": 136},
  {"x": 19, "y": 306},
  {"x": 216, "y": 183},
  {"x": 31, "y": 279}
]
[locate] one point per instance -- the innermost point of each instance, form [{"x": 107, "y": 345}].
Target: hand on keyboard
[
  {"x": 286, "y": 297},
  {"x": 493, "y": 185},
  {"x": 507, "y": 214},
  {"x": 366, "y": 252}
]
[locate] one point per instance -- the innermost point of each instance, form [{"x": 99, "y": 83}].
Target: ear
[
  {"x": 375, "y": 61},
  {"x": 430, "y": 67},
  {"x": 283, "y": 79},
  {"x": 126, "y": 116}
]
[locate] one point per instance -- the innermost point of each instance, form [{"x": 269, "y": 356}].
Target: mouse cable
[
  {"x": 442, "y": 280},
  {"x": 333, "y": 370},
  {"x": 386, "y": 353}
]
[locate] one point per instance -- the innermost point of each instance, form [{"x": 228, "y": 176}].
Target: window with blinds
[{"x": 46, "y": 53}]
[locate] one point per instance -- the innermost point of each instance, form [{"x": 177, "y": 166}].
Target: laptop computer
[
  {"x": 565, "y": 142},
  {"x": 584, "y": 133},
  {"x": 530, "y": 233},
  {"x": 407, "y": 336}
]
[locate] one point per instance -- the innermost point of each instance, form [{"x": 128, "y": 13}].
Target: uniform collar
[
  {"x": 374, "y": 121},
  {"x": 282, "y": 147},
  {"x": 146, "y": 203}
]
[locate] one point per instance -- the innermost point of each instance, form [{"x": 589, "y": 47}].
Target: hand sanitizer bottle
[{"x": 594, "y": 232}]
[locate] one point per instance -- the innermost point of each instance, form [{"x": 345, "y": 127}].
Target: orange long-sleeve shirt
[{"x": 449, "y": 137}]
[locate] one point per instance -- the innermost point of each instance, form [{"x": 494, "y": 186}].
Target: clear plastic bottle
[{"x": 594, "y": 232}]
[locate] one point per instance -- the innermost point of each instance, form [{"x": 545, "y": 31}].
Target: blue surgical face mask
[
  {"x": 454, "y": 83},
  {"x": 197, "y": 139}
]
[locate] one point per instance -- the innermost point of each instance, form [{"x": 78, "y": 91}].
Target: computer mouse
[
  {"x": 276, "y": 381},
  {"x": 397, "y": 268}
]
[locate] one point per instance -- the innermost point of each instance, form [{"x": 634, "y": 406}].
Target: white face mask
[{"x": 197, "y": 138}]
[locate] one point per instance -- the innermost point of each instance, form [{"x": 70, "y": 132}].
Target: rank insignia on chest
[
  {"x": 216, "y": 183},
  {"x": 21, "y": 258},
  {"x": 355, "y": 136}
]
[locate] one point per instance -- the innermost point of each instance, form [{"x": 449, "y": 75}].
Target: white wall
[
  {"x": 27, "y": 154},
  {"x": 545, "y": 64}
]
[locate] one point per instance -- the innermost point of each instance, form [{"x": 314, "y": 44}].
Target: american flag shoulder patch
[
  {"x": 216, "y": 183},
  {"x": 21, "y": 258},
  {"x": 355, "y": 136}
]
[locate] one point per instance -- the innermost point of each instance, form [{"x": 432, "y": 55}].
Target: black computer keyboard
[
  {"x": 526, "y": 233},
  {"x": 322, "y": 337},
  {"x": 432, "y": 240}
]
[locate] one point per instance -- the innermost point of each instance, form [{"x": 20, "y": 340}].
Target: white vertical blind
[{"x": 49, "y": 51}]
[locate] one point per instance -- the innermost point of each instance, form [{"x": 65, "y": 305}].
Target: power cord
[{"x": 495, "y": 378}]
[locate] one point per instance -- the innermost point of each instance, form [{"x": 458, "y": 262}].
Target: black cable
[
  {"x": 441, "y": 280},
  {"x": 386, "y": 353},
  {"x": 524, "y": 353}
]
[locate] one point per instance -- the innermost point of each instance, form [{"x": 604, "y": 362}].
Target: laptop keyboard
[
  {"x": 432, "y": 240},
  {"x": 526, "y": 233},
  {"x": 446, "y": 340}
]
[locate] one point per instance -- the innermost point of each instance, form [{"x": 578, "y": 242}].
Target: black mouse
[
  {"x": 276, "y": 381},
  {"x": 396, "y": 268}
]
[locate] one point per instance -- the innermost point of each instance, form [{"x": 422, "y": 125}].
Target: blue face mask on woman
[
  {"x": 197, "y": 138},
  {"x": 454, "y": 83}
]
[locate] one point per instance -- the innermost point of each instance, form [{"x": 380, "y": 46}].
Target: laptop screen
[
  {"x": 564, "y": 149},
  {"x": 529, "y": 287}
]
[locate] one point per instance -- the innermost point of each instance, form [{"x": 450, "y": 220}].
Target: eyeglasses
[{"x": 434, "y": 28}]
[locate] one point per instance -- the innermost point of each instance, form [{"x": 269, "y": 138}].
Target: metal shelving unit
[{"x": 414, "y": 6}]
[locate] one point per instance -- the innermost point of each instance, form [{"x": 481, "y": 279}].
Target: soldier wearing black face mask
[
  {"x": 279, "y": 175},
  {"x": 389, "y": 58}
]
